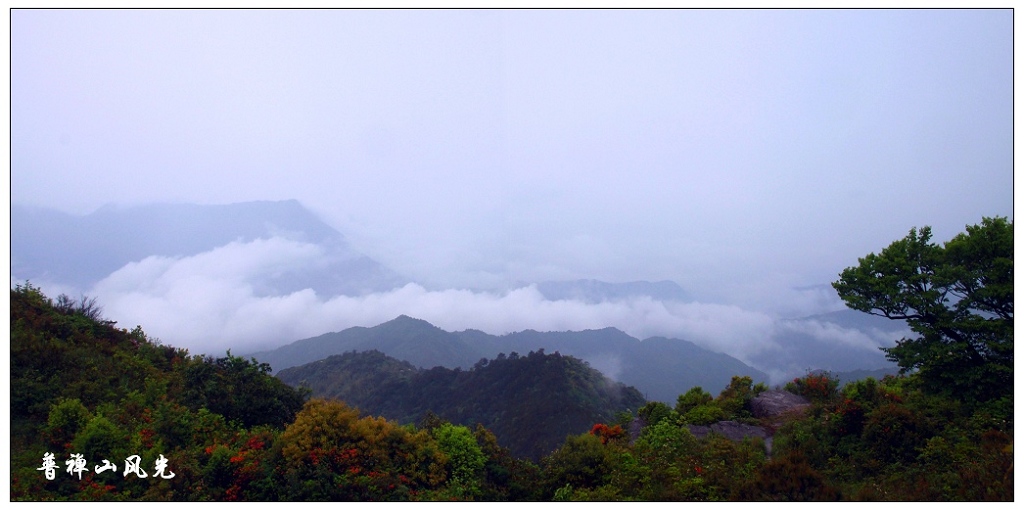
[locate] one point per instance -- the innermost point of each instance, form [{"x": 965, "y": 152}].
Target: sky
[{"x": 748, "y": 155}]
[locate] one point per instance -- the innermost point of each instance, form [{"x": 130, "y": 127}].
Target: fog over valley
[
  {"x": 243, "y": 179},
  {"x": 281, "y": 275}
]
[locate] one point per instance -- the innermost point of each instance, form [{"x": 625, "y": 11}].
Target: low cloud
[
  {"x": 210, "y": 302},
  {"x": 829, "y": 333}
]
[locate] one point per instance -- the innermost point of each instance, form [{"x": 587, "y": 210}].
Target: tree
[
  {"x": 86, "y": 306},
  {"x": 692, "y": 399},
  {"x": 465, "y": 459},
  {"x": 240, "y": 390},
  {"x": 67, "y": 417},
  {"x": 698, "y": 407},
  {"x": 653, "y": 412},
  {"x": 331, "y": 454},
  {"x": 582, "y": 462},
  {"x": 958, "y": 297}
]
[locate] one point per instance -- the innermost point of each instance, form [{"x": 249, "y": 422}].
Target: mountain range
[
  {"x": 661, "y": 368},
  {"x": 77, "y": 251}
]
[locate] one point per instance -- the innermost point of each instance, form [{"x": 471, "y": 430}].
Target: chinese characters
[{"x": 76, "y": 465}]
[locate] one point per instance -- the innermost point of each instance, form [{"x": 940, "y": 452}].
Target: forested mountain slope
[
  {"x": 81, "y": 385},
  {"x": 530, "y": 402}
]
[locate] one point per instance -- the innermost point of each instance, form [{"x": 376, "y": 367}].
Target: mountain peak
[
  {"x": 78, "y": 251},
  {"x": 405, "y": 319}
]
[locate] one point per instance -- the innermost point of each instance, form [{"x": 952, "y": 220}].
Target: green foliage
[
  {"x": 957, "y": 297},
  {"x": 465, "y": 459},
  {"x": 728, "y": 465},
  {"x": 582, "y": 462},
  {"x": 506, "y": 478},
  {"x": 79, "y": 385},
  {"x": 564, "y": 493},
  {"x": 735, "y": 398},
  {"x": 100, "y": 439},
  {"x": 530, "y": 402},
  {"x": 697, "y": 407},
  {"x": 240, "y": 389},
  {"x": 66, "y": 418},
  {"x": 692, "y": 399},
  {"x": 654, "y": 412},
  {"x": 891, "y": 440},
  {"x": 669, "y": 464},
  {"x": 704, "y": 414}
]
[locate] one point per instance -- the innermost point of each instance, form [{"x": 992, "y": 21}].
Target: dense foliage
[
  {"x": 81, "y": 385},
  {"x": 223, "y": 429},
  {"x": 957, "y": 297},
  {"x": 530, "y": 402}
]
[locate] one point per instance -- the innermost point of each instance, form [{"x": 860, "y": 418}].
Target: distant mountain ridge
[
  {"x": 75, "y": 252},
  {"x": 79, "y": 250},
  {"x": 531, "y": 402},
  {"x": 405, "y": 338},
  {"x": 661, "y": 368},
  {"x": 54, "y": 246}
]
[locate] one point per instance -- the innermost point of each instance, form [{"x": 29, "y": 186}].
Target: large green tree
[{"x": 958, "y": 299}]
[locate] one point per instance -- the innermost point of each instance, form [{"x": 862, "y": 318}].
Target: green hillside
[
  {"x": 81, "y": 385},
  {"x": 530, "y": 402}
]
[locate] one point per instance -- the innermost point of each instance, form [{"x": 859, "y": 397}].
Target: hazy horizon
[{"x": 748, "y": 155}]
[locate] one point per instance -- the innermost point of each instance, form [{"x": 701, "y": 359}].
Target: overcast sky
[{"x": 742, "y": 154}]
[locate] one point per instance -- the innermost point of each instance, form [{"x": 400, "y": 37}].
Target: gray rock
[{"x": 776, "y": 403}]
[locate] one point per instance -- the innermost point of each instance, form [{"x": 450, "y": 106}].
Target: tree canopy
[{"x": 958, "y": 297}]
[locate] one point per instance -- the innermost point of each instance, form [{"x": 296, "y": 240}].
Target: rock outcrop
[
  {"x": 771, "y": 407},
  {"x": 774, "y": 406}
]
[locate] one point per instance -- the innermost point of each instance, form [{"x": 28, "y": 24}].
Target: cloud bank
[{"x": 210, "y": 302}]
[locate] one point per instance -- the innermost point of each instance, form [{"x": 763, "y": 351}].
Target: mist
[
  {"x": 212, "y": 302},
  {"x": 748, "y": 155}
]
